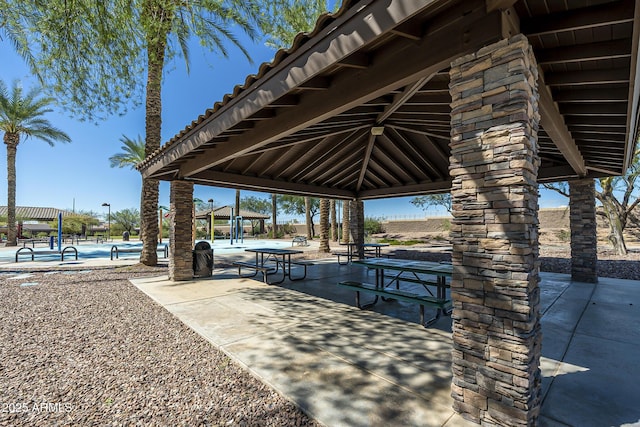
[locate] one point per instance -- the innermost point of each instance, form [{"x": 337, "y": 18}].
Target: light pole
[
  {"x": 211, "y": 213},
  {"x": 109, "y": 220}
]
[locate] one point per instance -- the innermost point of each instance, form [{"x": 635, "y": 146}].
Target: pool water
[{"x": 88, "y": 250}]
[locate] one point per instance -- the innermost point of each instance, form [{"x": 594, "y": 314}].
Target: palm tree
[
  {"x": 307, "y": 211},
  {"x": 132, "y": 153},
  {"x": 22, "y": 115},
  {"x": 274, "y": 213},
  {"x": 332, "y": 220},
  {"x": 324, "y": 225},
  {"x": 346, "y": 222},
  {"x": 211, "y": 22}
]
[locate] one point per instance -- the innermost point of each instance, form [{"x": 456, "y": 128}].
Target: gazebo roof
[
  {"x": 359, "y": 107},
  {"x": 36, "y": 213},
  {"x": 224, "y": 212}
]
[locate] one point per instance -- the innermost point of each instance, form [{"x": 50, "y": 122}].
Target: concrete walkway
[{"x": 348, "y": 367}]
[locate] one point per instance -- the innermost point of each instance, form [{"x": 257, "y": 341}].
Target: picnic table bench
[
  {"x": 29, "y": 251},
  {"x": 120, "y": 250},
  {"x": 33, "y": 241},
  {"x": 258, "y": 268},
  {"x": 299, "y": 241},
  {"x": 405, "y": 271},
  {"x": 397, "y": 294}
]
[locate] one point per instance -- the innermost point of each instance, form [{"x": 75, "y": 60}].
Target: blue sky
[{"x": 77, "y": 175}]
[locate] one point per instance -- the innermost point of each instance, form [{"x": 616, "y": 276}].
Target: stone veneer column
[
  {"x": 584, "y": 241},
  {"x": 494, "y": 288},
  {"x": 180, "y": 250}
]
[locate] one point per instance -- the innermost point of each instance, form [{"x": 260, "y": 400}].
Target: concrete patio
[{"x": 348, "y": 367}]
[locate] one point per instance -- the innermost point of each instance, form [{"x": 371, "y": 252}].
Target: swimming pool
[{"x": 88, "y": 250}]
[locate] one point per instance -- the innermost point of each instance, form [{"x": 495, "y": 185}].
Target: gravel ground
[{"x": 88, "y": 348}]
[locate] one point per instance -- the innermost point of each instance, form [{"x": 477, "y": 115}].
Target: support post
[
  {"x": 180, "y": 250},
  {"x": 494, "y": 166},
  {"x": 584, "y": 241}
]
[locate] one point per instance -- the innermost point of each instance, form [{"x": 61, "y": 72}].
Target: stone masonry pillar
[
  {"x": 180, "y": 250},
  {"x": 494, "y": 167},
  {"x": 584, "y": 241}
]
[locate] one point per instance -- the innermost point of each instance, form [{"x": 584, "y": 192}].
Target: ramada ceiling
[{"x": 359, "y": 108}]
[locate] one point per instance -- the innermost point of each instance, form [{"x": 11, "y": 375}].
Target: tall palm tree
[
  {"x": 324, "y": 226},
  {"x": 307, "y": 211},
  {"x": 132, "y": 153},
  {"x": 332, "y": 220},
  {"x": 274, "y": 213},
  {"x": 21, "y": 114},
  {"x": 346, "y": 222},
  {"x": 161, "y": 19}
]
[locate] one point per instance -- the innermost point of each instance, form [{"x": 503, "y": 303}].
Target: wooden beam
[
  {"x": 585, "y": 52},
  {"x": 365, "y": 160},
  {"x": 553, "y": 124},
  {"x": 408, "y": 148},
  {"x": 230, "y": 180},
  {"x": 592, "y": 95},
  {"x": 340, "y": 149},
  {"x": 316, "y": 83},
  {"x": 633, "y": 106},
  {"x": 357, "y": 60},
  {"x": 499, "y": 4},
  {"x": 401, "y": 98},
  {"x": 578, "y": 19},
  {"x": 587, "y": 77},
  {"x": 406, "y": 190}
]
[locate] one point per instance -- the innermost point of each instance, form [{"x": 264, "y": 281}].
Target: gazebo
[
  {"x": 225, "y": 213},
  {"x": 482, "y": 98}
]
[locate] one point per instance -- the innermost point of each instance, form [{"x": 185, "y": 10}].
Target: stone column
[
  {"x": 494, "y": 167},
  {"x": 180, "y": 250},
  {"x": 584, "y": 241}
]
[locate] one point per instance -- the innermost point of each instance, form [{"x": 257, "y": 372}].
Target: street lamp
[
  {"x": 211, "y": 213},
  {"x": 109, "y": 219}
]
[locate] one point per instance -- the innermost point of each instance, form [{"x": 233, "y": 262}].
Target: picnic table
[
  {"x": 403, "y": 270},
  {"x": 352, "y": 252},
  {"x": 281, "y": 257}
]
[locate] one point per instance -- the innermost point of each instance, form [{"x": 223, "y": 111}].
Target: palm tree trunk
[
  {"x": 324, "y": 226},
  {"x": 332, "y": 220},
  {"x": 307, "y": 209},
  {"x": 274, "y": 213},
  {"x": 11, "y": 140},
  {"x": 153, "y": 126},
  {"x": 346, "y": 224}
]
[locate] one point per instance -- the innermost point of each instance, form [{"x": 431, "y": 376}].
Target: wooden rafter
[
  {"x": 401, "y": 98},
  {"x": 406, "y": 62},
  {"x": 365, "y": 160},
  {"x": 554, "y": 126}
]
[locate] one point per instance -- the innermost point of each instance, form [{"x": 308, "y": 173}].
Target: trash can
[
  {"x": 125, "y": 236},
  {"x": 202, "y": 260}
]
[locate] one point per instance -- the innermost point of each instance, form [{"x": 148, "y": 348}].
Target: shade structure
[{"x": 360, "y": 107}]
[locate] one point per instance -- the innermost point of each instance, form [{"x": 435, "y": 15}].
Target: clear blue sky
[{"x": 77, "y": 175}]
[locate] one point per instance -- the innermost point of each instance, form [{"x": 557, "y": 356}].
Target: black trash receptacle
[
  {"x": 125, "y": 236},
  {"x": 202, "y": 260}
]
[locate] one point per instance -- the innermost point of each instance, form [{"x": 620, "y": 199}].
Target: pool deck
[{"x": 348, "y": 367}]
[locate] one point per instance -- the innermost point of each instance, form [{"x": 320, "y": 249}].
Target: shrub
[{"x": 372, "y": 226}]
